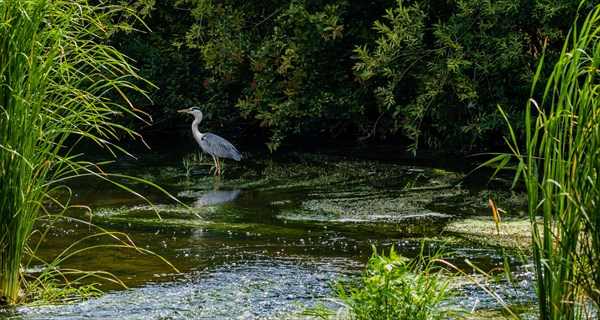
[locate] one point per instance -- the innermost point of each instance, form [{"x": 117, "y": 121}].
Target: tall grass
[
  {"x": 561, "y": 167},
  {"x": 56, "y": 80}
]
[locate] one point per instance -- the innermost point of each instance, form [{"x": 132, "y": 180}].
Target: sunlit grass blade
[{"x": 68, "y": 283}]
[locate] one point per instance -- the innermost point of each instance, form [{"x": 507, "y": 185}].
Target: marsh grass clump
[
  {"x": 59, "y": 85},
  {"x": 561, "y": 166},
  {"x": 395, "y": 287}
]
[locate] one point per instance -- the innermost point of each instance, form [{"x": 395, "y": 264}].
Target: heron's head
[{"x": 193, "y": 110}]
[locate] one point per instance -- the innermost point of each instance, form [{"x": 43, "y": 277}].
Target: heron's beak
[{"x": 184, "y": 110}]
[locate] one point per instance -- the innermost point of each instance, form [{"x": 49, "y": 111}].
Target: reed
[
  {"x": 56, "y": 84},
  {"x": 561, "y": 166},
  {"x": 562, "y": 170}
]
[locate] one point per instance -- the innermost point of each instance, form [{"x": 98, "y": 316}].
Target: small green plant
[
  {"x": 395, "y": 287},
  {"x": 412, "y": 183},
  {"x": 192, "y": 161}
]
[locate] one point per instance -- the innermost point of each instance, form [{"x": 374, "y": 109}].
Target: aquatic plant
[
  {"x": 192, "y": 161},
  {"x": 59, "y": 85},
  {"x": 395, "y": 287},
  {"x": 561, "y": 166}
]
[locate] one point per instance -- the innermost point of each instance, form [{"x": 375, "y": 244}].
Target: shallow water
[{"x": 271, "y": 234}]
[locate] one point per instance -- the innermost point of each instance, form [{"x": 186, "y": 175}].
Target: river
[{"x": 269, "y": 237}]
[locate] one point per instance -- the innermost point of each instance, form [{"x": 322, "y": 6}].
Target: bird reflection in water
[{"x": 215, "y": 197}]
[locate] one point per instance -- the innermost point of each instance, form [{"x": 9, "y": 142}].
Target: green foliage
[
  {"x": 442, "y": 68},
  {"x": 296, "y": 78},
  {"x": 395, "y": 287},
  {"x": 566, "y": 137},
  {"x": 432, "y": 71}
]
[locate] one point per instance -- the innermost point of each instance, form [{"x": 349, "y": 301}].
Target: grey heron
[{"x": 211, "y": 143}]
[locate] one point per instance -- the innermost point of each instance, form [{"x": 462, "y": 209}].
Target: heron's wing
[{"x": 219, "y": 147}]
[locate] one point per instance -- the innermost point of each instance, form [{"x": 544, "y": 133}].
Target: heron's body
[{"x": 211, "y": 143}]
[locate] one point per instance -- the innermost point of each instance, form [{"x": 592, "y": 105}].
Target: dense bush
[
  {"x": 440, "y": 69},
  {"x": 431, "y": 71}
]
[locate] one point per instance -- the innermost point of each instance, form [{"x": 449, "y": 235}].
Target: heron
[{"x": 211, "y": 143}]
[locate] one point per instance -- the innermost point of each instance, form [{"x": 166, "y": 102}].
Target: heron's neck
[{"x": 195, "y": 131}]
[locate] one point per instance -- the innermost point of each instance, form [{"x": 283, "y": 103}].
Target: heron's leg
[
  {"x": 215, "y": 162},
  {"x": 217, "y": 167}
]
